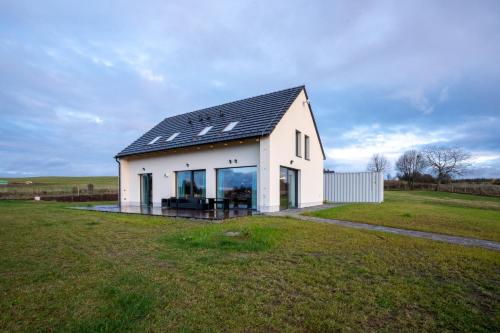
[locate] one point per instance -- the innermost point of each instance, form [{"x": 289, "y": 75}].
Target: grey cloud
[{"x": 89, "y": 78}]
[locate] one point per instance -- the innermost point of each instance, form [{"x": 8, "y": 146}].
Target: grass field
[
  {"x": 448, "y": 213},
  {"x": 81, "y": 271},
  {"x": 100, "y": 180},
  {"x": 19, "y": 188}
]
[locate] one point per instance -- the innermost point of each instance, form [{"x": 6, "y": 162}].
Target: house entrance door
[
  {"x": 146, "y": 189},
  {"x": 288, "y": 188}
]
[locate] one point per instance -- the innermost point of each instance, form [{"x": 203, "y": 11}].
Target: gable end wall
[{"x": 282, "y": 153}]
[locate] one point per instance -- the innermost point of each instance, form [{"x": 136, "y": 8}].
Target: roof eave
[
  {"x": 120, "y": 155},
  {"x": 315, "y": 126}
]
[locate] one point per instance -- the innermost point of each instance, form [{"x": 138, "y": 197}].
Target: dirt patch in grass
[{"x": 243, "y": 238}]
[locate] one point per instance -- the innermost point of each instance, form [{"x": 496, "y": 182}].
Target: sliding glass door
[
  {"x": 199, "y": 184},
  {"x": 183, "y": 184},
  {"x": 288, "y": 188},
  {"x": 191, "y": 184},
  {"x": 146, "y": 186},
  {"x": 239, "y": 185}
]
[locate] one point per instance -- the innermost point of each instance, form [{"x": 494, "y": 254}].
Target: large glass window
[
  {"x": 239, "y": 185},
  {"x": 191, "y": 184},
  {"x": 199, "y": 188}
]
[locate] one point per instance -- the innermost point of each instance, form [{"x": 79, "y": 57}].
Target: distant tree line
[
  {"x": 493, "y": 181},
  {"x": 433, "y": 164}
]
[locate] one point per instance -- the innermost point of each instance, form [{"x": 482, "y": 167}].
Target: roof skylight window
[
  {"x": 173, "y": 136},
  {"x": 154, "y": 140},
  {"x": 230, "y": 126},
  {"x": 205, "y": 130}
]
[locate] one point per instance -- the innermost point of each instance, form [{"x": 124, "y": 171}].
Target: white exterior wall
[
  {"x": 264, "y": 201},
  {"x": 281, "y": 151},
  {"x": 354, "y": 186},
  {"x": 163, "y": 167},
  {"x": 267, "y": 153}
]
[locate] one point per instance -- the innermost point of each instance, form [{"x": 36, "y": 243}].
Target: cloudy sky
[{"x": 80, "y": 81}]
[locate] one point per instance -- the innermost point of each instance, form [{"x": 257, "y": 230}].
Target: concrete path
[{"x": 296, "y": 213}]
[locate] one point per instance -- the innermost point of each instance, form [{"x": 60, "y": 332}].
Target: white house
[{"x": 263, "y": 151}]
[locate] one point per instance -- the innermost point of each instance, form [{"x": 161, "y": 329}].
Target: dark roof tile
[{"x": 256, "y": 116}]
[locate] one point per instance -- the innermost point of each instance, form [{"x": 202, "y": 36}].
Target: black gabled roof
[{"x": 257, "y": 116}]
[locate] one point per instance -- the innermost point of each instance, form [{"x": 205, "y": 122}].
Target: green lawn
[
  {"x": 448, "y": 213},
  {"x": 66, "y": 270}
]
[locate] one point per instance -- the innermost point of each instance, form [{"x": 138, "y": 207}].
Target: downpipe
[{"x": 119, "y": 182}]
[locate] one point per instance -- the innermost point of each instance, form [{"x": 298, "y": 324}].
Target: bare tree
[
  {"x": 378, "y": 163},
  {"x": 410, "y": 164},
  {"x": 446, "y": 162}
]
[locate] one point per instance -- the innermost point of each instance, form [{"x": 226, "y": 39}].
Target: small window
[
  {"x": 173, "y": 136},
  {"x": 154, "y": 140},
  {"x": 230, "y": 126},
  {"x": 298, "y": 144},
  {"x": 307, "y": 154},
  {"x": 205, "y": 130}
]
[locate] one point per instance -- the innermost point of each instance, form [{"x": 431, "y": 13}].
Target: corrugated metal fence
[{"x": 353, "y": 186}]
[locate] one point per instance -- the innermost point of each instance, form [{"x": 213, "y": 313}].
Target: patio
[{"x": 209, "y": 214}]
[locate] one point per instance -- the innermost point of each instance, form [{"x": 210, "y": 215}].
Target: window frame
[
  {"x": 307, "y": 147},
  {"x": 155, "y": 140},
  {"x": 229, "y": 127},
  {"x": 172, "y": 137},
  {"x": 191, "y": 179},
  {"x": 296, "y": 187},
  {"x": 205, "y": 130},
  {"x": 239, "y": 167},
  {"x": 298, "y": 143}
]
